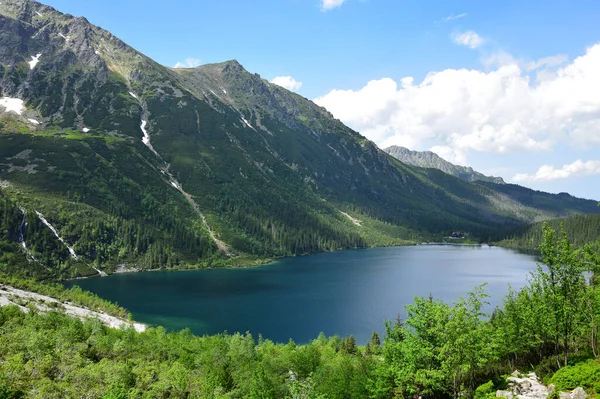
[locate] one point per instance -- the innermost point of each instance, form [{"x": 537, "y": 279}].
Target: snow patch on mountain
[
  {"x": 12, "y": 105},
  {"x": 146, "y": 138},
  {"x": 35, "y": 59},
  {"x": 248, "y": 124}
]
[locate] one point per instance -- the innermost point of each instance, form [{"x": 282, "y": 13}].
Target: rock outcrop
[
  {"x": 577, "y": 393},
  {"x": 530, "y": 387}
]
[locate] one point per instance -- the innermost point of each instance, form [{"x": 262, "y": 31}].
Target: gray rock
[
  {"x": 564, "y": 395},
  {"x": 504, "y": 394},
  {"x": 524, "y": 388},
  {"x": 579, "y": 393}
]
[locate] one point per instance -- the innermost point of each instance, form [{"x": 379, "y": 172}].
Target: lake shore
[
  {"x": 244, "y": 263},
  {"x": 457, "y": 244},
  {"x": 341, "y": 292},
  {"x": 44, "y": 303}
]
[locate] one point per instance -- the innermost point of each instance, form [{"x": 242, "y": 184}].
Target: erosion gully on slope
[
  {"x": 173, "y": 182},
  {"x": 71, "y": 250}
]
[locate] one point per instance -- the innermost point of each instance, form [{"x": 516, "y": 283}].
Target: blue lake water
[{"x": 348, "y": 292}]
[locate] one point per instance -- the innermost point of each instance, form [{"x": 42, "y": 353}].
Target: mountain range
[
  {"x": 428, "y": 159},
  {"x": 110, "y": 160}
]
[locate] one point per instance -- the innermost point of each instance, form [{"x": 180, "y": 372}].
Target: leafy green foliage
[
  {"x": 56, "y": 356},
  {"x": 584, "y": 374},
  {"x": 485, "y": 391},
  {"x": 439, "y": 350}
]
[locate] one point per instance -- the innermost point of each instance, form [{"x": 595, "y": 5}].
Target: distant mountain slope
[
  {"x": 580, "y": 229},
  {"x": 133, "y": 163},
  {"x": 428, "y": 159}
]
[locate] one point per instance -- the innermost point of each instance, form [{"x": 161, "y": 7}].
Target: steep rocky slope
[{"x": 428, "y": 159}]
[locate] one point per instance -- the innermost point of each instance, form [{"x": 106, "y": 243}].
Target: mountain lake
[{"x": 346, "y": 292}]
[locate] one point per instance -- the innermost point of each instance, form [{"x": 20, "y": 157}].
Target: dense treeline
[
  {"x": 439, "y": 350},
  {"x": 31, "y": 249},
  {"x": 581, "y": 230},
  {"x": 114, "y": 203}
]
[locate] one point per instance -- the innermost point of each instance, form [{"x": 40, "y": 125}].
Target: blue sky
[{"x": 512, "y": 87}]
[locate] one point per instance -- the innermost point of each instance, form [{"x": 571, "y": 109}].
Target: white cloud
[
  {"x": 451, "y": 17},
  {"x": 468, "y": 39},
  {"x": 552, "y": 61},
  {"x": 449, "y": 154},
  {"x": 329, "y": 4},
  {"x": 502, "y": 110},
  {"x": 548, "y": 172},
  {"x": 287, "y": 82},
  {"x": 188, "y": 63},
  {"x": 501, "y": 58}
]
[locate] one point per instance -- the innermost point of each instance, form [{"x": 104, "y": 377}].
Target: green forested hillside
[
  {"x": 440, "y": 350},
  {"x": 138, "y": 165},
  {"x": 581, "y": 230}
]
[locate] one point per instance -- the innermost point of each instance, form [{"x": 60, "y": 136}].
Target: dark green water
[{"x": 349, "y": 292}]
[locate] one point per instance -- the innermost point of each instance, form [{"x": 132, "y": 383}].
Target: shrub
[
  {"x": 585, "y": 375},
  {"x": 485, "y": 391}
]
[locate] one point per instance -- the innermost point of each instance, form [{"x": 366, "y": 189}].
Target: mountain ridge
[
  {"x": 429, "y": 159},
  {"x": 137, "y": 163}
]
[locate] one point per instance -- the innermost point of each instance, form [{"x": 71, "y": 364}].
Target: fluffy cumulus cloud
[
  {"x": 549, "y": 172},
  {"x": 468, "y": 39},
  {"x": 503, "y": 110},
  {"x": 188, "y": 63},
  {"x": 449, "y": 154},
  {"x": 329, "y": 4},
  {"x": 287, "y": 82}
]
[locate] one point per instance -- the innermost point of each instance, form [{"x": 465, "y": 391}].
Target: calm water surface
[{"x": 349, "y": 292}]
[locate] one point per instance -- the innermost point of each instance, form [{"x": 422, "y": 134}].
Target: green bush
[
  {"x": 485, "y": 391},
  {"x": 585, "y": 375}
]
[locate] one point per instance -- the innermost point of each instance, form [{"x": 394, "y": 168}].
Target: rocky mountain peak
[
  {"x": 428, "y": 159},
  {"x": 233, "y": 66}
]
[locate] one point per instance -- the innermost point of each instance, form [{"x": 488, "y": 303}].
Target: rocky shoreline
[{"x": 43, "y": 303}]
